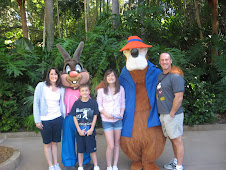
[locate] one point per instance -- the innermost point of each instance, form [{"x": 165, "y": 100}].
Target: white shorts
[{"x": 172, "y": 127}]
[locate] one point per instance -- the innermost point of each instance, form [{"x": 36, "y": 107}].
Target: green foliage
[
  {"x": 102, "y": 56},
  {"x": 205, "y": 81},
  {"x": 9, "y": 120},
  {"x": 220, "y": 85},
  {"x": 29, "y": 124},
  {"x": 146, "y": 17},
  {"x": 18, "y": 65},
  {"x": 167, "y": 25},
  {"x": 172, "y": 29},
  {"x": 198, "y": 103},
  {"x": 28, "y": 100}
]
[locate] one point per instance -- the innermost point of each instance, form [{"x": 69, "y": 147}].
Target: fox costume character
[
  {"x": 142, "y": 139},
  {"x": 72, "y": 77}
]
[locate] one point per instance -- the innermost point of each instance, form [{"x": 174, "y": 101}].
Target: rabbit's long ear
[
  {"x": 78, "y": 51},
  {"x": 64, "y": 53}
]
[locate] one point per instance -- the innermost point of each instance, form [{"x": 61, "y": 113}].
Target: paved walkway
[{"x": 204, "y": 150}]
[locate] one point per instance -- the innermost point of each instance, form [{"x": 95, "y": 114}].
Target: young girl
[
  {"x": 48, "y": 109},
  {"x": 111, "y": 103}
]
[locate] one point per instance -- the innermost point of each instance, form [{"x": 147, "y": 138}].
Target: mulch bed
[{"x": 5, "y": 153}]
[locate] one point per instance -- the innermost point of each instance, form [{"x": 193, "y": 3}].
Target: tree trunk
[
  {"x": 58, "y": 19},
  {"x": 214, "y": 6},
  {"x": 97, "y": 6},
  {"x": 65, "y": 23},
  {"x": 21, "y": 3},
  {"x": 103, "y": 1},
  {"x": 44, "y": 40},
  {"x": 130, "y": 4},
  {"x": 215, "y": 17},
  {"x": 123, "y": 8},
  {"x": 198, "y": 18},
  {"x": 49, "y": 24},
  {"x": 140, "y": 4},
  {"x": 107, "y": 6},
  {"x": 100, "y": 6},
  {"x": 115, "y": 13},
  {"x": 85, "y": 16},
  {"x": 44, "y": 30},
  {"x": 88, "y": 14}
]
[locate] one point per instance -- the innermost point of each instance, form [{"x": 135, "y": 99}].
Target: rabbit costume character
[{"x": 72, "y": 76}]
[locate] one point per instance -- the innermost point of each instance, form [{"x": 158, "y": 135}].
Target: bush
[
  {"x": 23, "y": 65},
  {"x": 198, "y": 104},
  {"x": 29, "y": 123},
  {"x": 9, "y": 121}
]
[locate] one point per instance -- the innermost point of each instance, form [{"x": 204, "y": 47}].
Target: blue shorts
[
  {"x": 86, "y": 143},
  {"x": 112, "y": 125},
  {"x": 51, "y": 131}
]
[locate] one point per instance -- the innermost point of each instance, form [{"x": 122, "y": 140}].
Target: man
[{"x": 169, "y": 93}]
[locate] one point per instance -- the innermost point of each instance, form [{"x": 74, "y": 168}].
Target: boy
[{"x": 85, "y": 112}]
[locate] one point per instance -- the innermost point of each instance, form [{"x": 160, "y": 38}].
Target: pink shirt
[
  {"x": 112, "y": 104},
  {"x": 70, "y": 97}
]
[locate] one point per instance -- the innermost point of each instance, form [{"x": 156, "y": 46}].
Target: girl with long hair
[{"x": 111, "y": 103}]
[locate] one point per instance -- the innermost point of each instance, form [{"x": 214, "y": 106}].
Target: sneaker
[
  {"x": 109, "y": 168},
  {"x": 57, "y": 167},
  {"x": 172, "y": 164},
  {"x": 179, "y": 168},
  {"x": 114, "y": 168},
  {"x": 80, "y": 168},
  {"x": 96, "y": 168},
  {"x": 51, "y": 168}
]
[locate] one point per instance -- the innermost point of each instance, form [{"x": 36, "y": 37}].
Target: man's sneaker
[
  {"x": 57, "y": 167},
  {"x": 172, "y": 164},
  {"x": 179, "y": 168},
  {"x": 114, "y": 168}
]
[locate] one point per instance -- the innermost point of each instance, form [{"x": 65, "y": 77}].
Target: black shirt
[{"x": 84, "y": 111}]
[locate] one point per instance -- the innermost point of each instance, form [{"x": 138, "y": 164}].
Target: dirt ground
[{"x": 5, "y": 153}]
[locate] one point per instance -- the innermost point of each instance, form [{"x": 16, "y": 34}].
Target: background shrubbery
[{"x": 23, "y": 63}]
